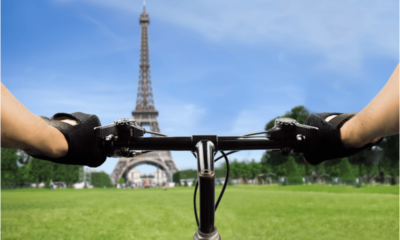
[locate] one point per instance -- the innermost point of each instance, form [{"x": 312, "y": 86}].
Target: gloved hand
[
  {"x": 82, "y": 143},
  {"x": 328, "y": 144}
]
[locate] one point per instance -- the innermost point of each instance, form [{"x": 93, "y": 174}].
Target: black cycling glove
[
  {"x": 328, "y": 144},
  {"x": 82, "y": 143}
]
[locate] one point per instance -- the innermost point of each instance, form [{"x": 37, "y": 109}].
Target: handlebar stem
[
  {"x": 205, "y": 155},
  {"x": 205, "y": 150}
]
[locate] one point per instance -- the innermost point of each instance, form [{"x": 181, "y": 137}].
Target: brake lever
[
  {"x": 123, "y": 129},
  {"x": 290, "y": 129}
]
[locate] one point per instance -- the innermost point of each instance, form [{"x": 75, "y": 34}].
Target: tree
[
  {"x": 254, "y": 169},
  {"x": 375, "y": 159},
  {"x": 223, "y": 166},
  {"x": 9, "y": 167},
  {"x": 292, "y": 173},
  {"x": 332, "y": 167},
  {"x": 184, "y": 174},
  {"x": 59, "y": 172},
  {"x": 188, "y": 174},
  {"x": 390, "y": 163},
  {"x": 18, "y": 168},
  {"x": 345, "y": 172},
  {"x": 359, "y": 159},
  {"x": 243, "y": 171},
  {"x": 176, "y": 178},
  {"x": 220, "y": 172},
  {"x": 71, "y": 174},
  {"x": 41, "y": 171},
  {"x": 24, "y": 174},
  {"x": 101, "y": 180},
  {"x": 276, "y": 161},
  {"x": 121, "y": 180},
  {"x": 234, "y": 169}
]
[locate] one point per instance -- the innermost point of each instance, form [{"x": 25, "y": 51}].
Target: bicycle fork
[{"x": 205, "y": 150}]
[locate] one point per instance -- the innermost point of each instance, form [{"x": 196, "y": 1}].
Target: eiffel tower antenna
[
  {"x": 144, "y": 99},
  {"x": 144, "y": 5},
  {"x": 145, "y": 113}
]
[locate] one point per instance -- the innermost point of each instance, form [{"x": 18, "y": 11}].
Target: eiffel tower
[{"x": 145, "y": 114}]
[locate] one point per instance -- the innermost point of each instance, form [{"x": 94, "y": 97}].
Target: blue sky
[{"x": 218, "y": 67}]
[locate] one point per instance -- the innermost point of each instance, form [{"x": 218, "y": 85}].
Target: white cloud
[
  {"x": 254, "y": 120},
  {"x": 179, "y": 118},
  {"x": 104, "y": 29},
  {"x": 281, "y": 99},
  {"x": 291, "y": 92},
  {"x": 341, "y": 31},
  {"x": 248, "y": 121}
]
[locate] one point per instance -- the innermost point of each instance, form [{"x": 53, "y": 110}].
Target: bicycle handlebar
[
  {"x": 124, "y": 138},
  {"x": 187, "y": 143}
]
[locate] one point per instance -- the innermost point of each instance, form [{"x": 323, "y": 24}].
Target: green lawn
[{"x": 246, "y": 212}]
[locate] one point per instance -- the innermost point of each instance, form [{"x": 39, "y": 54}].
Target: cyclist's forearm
[
  {"x": 22, "y": 129},
  {"x": 378, "y": 119}
]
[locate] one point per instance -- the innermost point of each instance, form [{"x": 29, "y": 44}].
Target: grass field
[{"x": 245, "y": 212}]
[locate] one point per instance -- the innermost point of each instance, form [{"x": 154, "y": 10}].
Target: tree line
[
  {"x": 100, "y": 180},
  {"x": 192, "y": 174},
  {"x": 19, "y": 170}
]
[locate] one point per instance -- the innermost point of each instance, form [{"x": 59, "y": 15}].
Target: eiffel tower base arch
[{"x": 159, "y": 159}]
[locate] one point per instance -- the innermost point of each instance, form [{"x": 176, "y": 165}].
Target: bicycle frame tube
[{"x": 205, "y": 150}]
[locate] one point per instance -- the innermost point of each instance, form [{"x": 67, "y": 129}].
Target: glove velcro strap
[{"x": 341, "y": 119}]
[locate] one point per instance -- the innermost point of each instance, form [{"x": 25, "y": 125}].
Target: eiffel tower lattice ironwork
[{"x": 145, "y": 114}]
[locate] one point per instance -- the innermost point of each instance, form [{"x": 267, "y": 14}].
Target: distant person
[
  {"x": 315, "y": 176},
  {"x": 366, "y": 177},
  {"x": 382, "y": 177}
]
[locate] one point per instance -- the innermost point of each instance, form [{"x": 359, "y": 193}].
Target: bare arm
[
  {"x": 22, "y": 129},
  {"x": 380, "y": 118}
]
